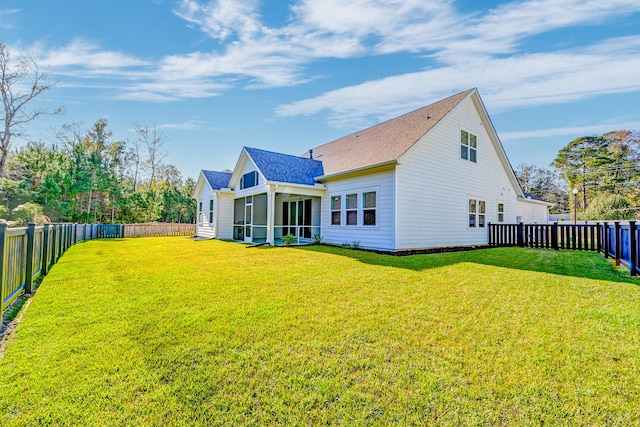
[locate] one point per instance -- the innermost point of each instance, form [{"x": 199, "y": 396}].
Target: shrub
[
  {"x": 26, "y": 212},
  {"x": 289, "y": 239},
  {"x": 609, "y": 207}
]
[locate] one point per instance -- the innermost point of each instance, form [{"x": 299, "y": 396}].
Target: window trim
[
  {"x": 476, "y": 217},
  {"x": 500, "y": 220},
  {"x": 373, "y": 208},
  {"x": 347, "y": 210},
  {"x": 359, "y": 193},
  {"x": 255, "y": 180},
  {"x": 468, "y": 151},
  {"x": 337, "y": 210}
]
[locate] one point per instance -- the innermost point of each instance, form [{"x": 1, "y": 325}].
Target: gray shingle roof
[
  {"x": 217, "y": 180},
  {"x": 286, "y": 168}
]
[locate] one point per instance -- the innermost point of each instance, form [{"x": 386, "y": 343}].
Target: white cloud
[
  {"x": 596, "y": 129},
  {"x": 7, "y": 18},
  {"x": 84, "y": 57},
  {"x": 480, "y": 49}
]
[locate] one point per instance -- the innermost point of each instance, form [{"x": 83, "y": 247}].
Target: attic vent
[{"x": 428, "y": 116}]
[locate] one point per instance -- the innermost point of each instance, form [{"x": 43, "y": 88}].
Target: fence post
[
  {"x": 521, "y": 234},
  {"x": 3, "y": 229},
  {"x": 31, "y": 233},
  {"x": 617, "y": 242},
  {"x": 45, "y": 250},
  {"x": 75, "y": 233},
  {"x": 633, "y": 250},
  {"x": 605, "y": 237},
  {"x": 554, "y": 236},
  {"x": 122, "y": 231}
]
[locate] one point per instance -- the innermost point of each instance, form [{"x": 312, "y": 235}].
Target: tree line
[
  {"x": 88, "y": 176},
  {"x": 603, "y": 171}
]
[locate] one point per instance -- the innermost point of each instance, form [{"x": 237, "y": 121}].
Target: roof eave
[
  {"x": 540, "y": 202},
  {"x": 293, "y": 184},
  {"x": 357, "y": 170}
]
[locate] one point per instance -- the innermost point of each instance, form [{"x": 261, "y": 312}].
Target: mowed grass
[{"x": 168, "y": 331}]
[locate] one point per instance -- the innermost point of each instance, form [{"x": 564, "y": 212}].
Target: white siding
[
  {"x": 532, "y": 213},
  {"x": 203, "y": 227},
  {"x": 379, "y": 236},
  {"x": 224, "y": 213},
  {"x": 434, "y": 185}
]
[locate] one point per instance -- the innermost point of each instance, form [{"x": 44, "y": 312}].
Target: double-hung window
[
  {"x": 500, "y": 212},
  {"x": 468, "y": 146},
  {"x": 352, "y": 209},
  {"x": 200, "y": 214},
  {"x": 477, "y": 213},
  {"x": 336, "y": 211},
  {"x": 369, "y": 208},
  {"x": 211, "y": 211}
]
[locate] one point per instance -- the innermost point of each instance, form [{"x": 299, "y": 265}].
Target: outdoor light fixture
[{"x": 575, "y": 205}]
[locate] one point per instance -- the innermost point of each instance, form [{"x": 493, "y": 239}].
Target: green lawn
[{"x": 168, "y": 331}]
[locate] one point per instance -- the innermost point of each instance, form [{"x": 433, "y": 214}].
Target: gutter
[{"x": 352, "y": 171}]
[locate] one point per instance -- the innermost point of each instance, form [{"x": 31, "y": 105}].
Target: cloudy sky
[{"x": 289, "y": 75}]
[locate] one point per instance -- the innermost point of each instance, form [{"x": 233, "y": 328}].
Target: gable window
[
  {"x": 352, "y": 209},
  {"x": 500, "y": 212},
  {"x": 468, "y": 146},
  {"x": 369, "y": 208},
  {"x": 249, "y": 180},
  {"x": 477, "y": 213},
  {"x": 211, "y": 211},
  {"x": 335, "y": 210}
]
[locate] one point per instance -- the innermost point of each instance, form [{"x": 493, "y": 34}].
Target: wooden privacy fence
[
  {"x": 28, "y": 252},
  {"x": 620, "y": 241},
  {"x": 158, "y": 229}
]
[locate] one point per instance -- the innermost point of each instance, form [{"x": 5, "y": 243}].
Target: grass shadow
[{"x": 587, "y": 265}]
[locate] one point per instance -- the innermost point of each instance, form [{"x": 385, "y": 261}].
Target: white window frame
[
  {"x": 468, "y": 146},
  {"x": 347, "y": 209},
  {"x": 333, "y": 209},
  {"x": 373, "y": 208},
  {"x": 477, "y": 213},
  {"x": 500, "y": 220},
  {"x": 255, "y": 182},
  {"x": 210, "y": 211}
]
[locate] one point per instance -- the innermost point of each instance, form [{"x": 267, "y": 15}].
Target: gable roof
[
  {"x": 217, "y": 180},
  {"x": 278, "y": 167},
  {"x": 386, "y": 141}
]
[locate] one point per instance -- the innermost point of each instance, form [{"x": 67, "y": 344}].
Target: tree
[
  {"x": 609, "y": 207},
  {"x": 580, "y": 162},
  {"x": 20, "y": 82},
  {"x": 153, "y": 141},
  {"x": 543, "y": 183}
]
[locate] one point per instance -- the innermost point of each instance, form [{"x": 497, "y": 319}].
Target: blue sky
[{"x": 286, "y": 76}]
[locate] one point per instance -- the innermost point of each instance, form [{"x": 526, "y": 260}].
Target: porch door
[
  {"x": 296, "y": 218},
  {"x": 248, "y": 219}
]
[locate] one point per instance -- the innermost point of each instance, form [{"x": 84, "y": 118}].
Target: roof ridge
[
  {"x": 398, "y": 117},
  {"x": 279, "y": 153}
]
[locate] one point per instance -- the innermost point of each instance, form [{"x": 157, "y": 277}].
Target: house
[{"x": 435, "y": 177}]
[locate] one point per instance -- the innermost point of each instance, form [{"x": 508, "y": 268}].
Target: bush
[
  {"x": 26, "y": 212},
  {"x": 289, "y": 239},
  {"x": 609, "y": 207}
]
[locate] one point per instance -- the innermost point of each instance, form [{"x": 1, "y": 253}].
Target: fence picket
[{"x": 616, "y": 241}]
